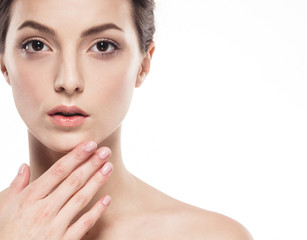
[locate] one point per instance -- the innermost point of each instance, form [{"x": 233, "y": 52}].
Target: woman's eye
[
  {"x": 35, "y": 46},
  {"x": 104, "y": 47}
]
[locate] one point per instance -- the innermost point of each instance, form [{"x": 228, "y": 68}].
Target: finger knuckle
[
  {"x": 87, "y": 223},
  {"x": 43, "y": 212},
  {"x": 58, "y": 170},
  {"x": 79, "y": 155},
  {"x": 96, "y": 161},
  {"x": 81, "y": 199},
  {"x": 30, "y": 191},
  {"x": 75, "y": 180}
]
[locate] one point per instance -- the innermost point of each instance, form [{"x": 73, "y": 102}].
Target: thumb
[{"x": 20, "y": 182}]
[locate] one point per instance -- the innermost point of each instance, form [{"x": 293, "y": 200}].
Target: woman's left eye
[{"x": 104, "y": 47}]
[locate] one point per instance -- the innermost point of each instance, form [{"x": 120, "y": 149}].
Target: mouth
[
  {"x": 72, "y": 114},
  {"x": 67, "y": 116}
]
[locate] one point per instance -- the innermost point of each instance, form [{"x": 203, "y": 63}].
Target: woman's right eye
[{"x": 35, "y": 46}]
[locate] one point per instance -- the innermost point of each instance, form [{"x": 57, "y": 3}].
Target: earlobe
[
  {"x": 145, "y": 67},
  {"x": 4, "y": 70},
  {"x": 140, "y": 79}
]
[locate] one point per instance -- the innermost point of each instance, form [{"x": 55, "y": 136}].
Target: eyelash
[
  {"x": 110, "y": 42},
  {"x": 24, "y": 44}
]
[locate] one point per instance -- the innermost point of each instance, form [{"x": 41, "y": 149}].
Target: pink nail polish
[
  {"x": 104, "y": 153},
  {"x": 107, "y": 168},
  {"x": 106, "y": 201},
  {"x": 21, "y": 169},
  {"x": 90, "y": 147}
]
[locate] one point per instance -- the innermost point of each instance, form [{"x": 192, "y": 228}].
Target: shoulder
[
  {"x": 198, "y": 224},
  {"x": 159, "y": 216},
  {"x": 214, "y": 226}
]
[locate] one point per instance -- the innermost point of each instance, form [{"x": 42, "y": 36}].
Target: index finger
[{"x": 42, "y": 186}]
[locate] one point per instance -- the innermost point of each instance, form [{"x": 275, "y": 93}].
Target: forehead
[{"x": 73, "y": 15}]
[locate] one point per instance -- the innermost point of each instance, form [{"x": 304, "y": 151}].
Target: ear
[
  {"x": 145, "y": 66},
  {"x": 4, "y": 70}
]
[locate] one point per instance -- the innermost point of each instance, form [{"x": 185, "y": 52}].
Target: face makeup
[{"x": 72, "y": 82}]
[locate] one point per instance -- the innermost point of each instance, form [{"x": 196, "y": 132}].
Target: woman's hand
[{"x": 47, "y": 208}]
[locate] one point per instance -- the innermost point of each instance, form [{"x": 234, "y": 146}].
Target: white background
[{"x": 221, "y": 121}]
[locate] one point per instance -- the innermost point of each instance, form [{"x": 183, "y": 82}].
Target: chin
[
  {"x": 60, "y": 143},
  {"x": 62, "y": 147},
  {"x": 68, "y": 142},
  {"x": 64, "y": 142}
]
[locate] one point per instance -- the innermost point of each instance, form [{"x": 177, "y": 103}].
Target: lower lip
[{"x": 63, "y": 121}]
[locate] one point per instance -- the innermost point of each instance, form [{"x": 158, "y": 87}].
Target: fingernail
[
  {"x": 90, "y": 147},
  {"x": 106, "y": 201},
  {"x": 107, "y": 168},
  {"x": 21, "y": 169},
  {"x": 104, "y": 153}
]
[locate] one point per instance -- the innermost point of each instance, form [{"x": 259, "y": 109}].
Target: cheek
[
  {"x": 111, "y": 93},
  {"x": 26, "y": 81},
  {"x": 121, "y": 86},
  {"x": 114, "y": 83}
]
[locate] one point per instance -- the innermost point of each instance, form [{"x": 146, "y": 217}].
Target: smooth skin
[
  {"x": 64, "y": 193},
  {"x": 46, "y": 208}
]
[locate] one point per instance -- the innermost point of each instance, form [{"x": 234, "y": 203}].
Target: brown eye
[
  {"x": 104, "y": 47},
  {"x": 35, "y": 46}
]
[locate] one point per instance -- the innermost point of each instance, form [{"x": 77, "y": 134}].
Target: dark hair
[
  {"x": 5, "y": 7},
  {"x": 142, "y": 14}
]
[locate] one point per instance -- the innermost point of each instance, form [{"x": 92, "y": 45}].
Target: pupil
[
  {"x": 102, "y": 46},
  {"x": 37, "y": 45}
]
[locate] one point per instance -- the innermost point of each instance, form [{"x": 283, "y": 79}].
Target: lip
[{"x": 78, "y": 116}]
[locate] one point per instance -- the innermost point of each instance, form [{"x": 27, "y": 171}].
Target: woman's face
[{"x": 64, "y": 56}]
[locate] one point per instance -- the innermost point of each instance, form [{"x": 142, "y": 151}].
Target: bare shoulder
[
  {"x": 159, "y": 216},
  {"x": 199, "y": 224},
  {"x": 215, "y": 226}
]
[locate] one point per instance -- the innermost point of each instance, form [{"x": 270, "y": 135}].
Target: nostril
[
  {"x": 60, "y": 89},
  {"x": 68, "y": 87}
]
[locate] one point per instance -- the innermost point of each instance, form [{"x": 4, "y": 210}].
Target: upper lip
[{"x": 72, "y": 110}]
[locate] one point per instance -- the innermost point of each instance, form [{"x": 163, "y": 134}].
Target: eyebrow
[{"x": 91, "y": 31}]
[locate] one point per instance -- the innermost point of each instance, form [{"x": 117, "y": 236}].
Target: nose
[{"x": 68, "y": 79}]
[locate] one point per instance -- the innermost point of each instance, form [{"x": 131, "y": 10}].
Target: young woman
[{"x": 72, "y": 66}]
